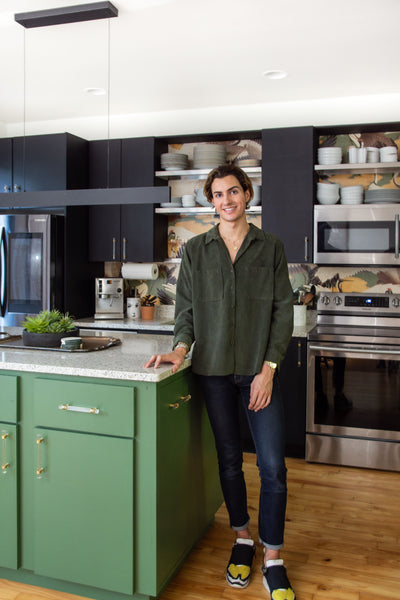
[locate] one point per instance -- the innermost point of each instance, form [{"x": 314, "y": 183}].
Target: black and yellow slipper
[
  {"x": 238, "y": 570},
  {"x": 276, "y": 581}
]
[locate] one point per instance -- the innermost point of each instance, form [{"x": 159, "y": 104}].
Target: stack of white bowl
[
  {"x": 174, "y": 161},
  {"x": 352, "y": 194},
  {"x": 328, "y": 193},
  {"x": 388, "y": 154},
  {"x": 256, "y": 199},
  {"x": 330, "y": 156},
  {"x": 208, "y": 156}
]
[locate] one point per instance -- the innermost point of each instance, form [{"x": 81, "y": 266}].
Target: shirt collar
[{"x": 213, "y": 234}]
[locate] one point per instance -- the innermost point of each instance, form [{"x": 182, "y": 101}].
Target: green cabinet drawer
[
  {"x": 87, "y": 407},
  {"x": 8, "y": 398}
]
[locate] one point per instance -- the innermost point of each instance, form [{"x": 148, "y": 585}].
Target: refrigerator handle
[{"x": 3, "y": 272}]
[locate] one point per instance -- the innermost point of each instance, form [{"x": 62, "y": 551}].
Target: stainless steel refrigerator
[{"x": 31, "y": 265}]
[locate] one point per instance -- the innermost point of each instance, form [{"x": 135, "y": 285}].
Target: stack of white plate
[
  {"x": 201, "y": 199},
  {"x": 388, "y": 154},
  {"x": 352, "y": 194},
  {"x": 329, "y": 156},
  {"x": 328, "y": 193},
  {"x": 385, "y": 196},
  {"x": 174, "y": 161},
  {"x": 208, "y": 156},
  {"x": 176, "y": 202}
]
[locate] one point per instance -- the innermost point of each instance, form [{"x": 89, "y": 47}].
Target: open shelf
[{"x": 351, "y": 168}]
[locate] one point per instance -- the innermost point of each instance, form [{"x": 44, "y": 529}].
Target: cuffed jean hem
[
  {"x": 270, "y": 546},
  {"x": 245, "y": 526}
]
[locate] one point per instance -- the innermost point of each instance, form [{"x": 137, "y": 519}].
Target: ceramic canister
[{"x": 133, "y": 308}]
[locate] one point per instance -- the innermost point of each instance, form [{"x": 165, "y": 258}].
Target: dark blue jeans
[{"x": 221, "y": 394}]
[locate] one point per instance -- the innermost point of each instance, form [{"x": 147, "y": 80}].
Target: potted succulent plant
[
  {"x": 147, "y": 307},
  {"x": 47, "y": 328}
]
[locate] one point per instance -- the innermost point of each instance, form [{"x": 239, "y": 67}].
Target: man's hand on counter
[{"x": 176, "y": 357}]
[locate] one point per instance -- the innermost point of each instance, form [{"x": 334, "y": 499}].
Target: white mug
[{"x": 133, "y": 308}]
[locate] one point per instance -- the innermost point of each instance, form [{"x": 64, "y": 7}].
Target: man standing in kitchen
[{"x": 234, "y": 302}]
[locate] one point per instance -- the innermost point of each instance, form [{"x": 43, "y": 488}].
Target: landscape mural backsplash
[{"x": 325, "y": 278}]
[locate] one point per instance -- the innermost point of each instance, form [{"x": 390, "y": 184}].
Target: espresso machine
[{"x": 109, "y": 294}]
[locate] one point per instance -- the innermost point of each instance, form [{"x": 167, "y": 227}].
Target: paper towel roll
[{"x": 139, "y": 271}]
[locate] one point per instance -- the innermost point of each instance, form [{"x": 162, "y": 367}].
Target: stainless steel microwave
[{"x": 359, "y": 234}]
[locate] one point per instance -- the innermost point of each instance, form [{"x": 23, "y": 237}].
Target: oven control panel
[{"x": 339, "y": 302}]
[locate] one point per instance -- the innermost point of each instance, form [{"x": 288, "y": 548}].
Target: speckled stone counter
[
  {"x": 164, "y": 325},
  {"x": 123, "y": 362}
]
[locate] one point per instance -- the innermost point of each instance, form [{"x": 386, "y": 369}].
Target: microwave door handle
[
  {"x": 3, "y": 272},
  {"x": 396, "y": 236}
]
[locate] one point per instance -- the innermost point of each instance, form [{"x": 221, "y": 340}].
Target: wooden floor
[{"x": 342, "y": 541}]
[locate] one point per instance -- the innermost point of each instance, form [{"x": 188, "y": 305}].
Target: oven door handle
[
  {"x": 353, "y": 349},
  {"x": 396, "y": 236}
]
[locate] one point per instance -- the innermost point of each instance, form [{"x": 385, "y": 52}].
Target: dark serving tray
[{"x": 90, "y": 344}]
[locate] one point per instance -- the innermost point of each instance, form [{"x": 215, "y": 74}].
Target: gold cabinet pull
[
  {"x": 40, "y": 469},
  {"x": 5, "y": 436},
  {"x": 80, "y": 409},
  {"x": 182, "y": 400}
]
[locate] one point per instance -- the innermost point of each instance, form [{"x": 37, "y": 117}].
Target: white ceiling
[{"x": 181, "y": 54}]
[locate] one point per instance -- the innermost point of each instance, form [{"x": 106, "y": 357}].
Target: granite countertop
[
  {"x": 125, "y": 324},
  {"x": 123, "y": 362}
]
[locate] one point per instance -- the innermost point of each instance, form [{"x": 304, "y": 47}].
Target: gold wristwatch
[{"x": 272, "y": 365}]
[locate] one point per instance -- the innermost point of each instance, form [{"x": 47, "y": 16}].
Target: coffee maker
[{"x": 109, "y": 294}]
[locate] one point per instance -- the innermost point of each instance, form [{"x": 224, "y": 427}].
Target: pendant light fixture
[
  {"x": 145, "y": 195},
  {"x": 67, "y": 14}
]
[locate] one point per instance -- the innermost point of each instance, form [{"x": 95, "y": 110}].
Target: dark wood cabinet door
[
  {"x": 293, "y": 384},
  {"x": 143, "y": 233},
  {"x": 49, "y": 162},
  {"x": 5, "y": 165},
  {"x": 104, "y": 233},
  {"x": 137, "y": 162},
  {"x": 288, "y": 188},
  {"x": 105, "y": 164}
]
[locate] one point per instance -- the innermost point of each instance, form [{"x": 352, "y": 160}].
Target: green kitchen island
[{"x": 108, "y": 470}]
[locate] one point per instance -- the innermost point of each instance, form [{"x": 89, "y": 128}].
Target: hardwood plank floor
[{"x": 342, "y": 541}]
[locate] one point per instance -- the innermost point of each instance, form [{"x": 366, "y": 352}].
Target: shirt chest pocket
[
  {"x": 259, "y": 283},
  {"x": 208, "y": 284}
]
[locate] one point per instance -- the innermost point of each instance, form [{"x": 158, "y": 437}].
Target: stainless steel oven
[
  {"x": 353, "y": 381},
  {"x": 357, "y": 234}
]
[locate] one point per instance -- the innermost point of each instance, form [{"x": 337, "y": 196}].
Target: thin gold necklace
[{"x": 236, "y": 243}]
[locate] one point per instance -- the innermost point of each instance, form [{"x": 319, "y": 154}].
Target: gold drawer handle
[
  {"x": 5, "y": 465},
  {"x": 80, "y": 409},
  {"x": 182, "y": 400}
]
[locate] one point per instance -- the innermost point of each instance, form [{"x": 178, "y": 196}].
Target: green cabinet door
[
  {"x": 83, "y": 509},
  {"x": 8, "y": 497}
]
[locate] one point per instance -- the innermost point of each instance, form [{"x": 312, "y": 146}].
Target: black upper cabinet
[
  {"x": 130, "y": 232},
  {"x": 105, "y": 164},
  {"x": 138, "y": 162},
  {"x": 43, "y": 163},
  {"x": 288, "y": 188},
  {"x": 6, "y": 165}
]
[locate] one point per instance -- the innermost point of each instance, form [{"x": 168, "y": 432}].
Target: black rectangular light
[{"x": 67, "y": 14}]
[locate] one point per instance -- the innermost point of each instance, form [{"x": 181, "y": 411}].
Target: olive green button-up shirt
[{"x": 239, "y": 314}]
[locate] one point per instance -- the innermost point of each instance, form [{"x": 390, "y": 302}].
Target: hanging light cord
[
  {"x": 108, "y": 101},
  {"x": 24, "y": 114}
]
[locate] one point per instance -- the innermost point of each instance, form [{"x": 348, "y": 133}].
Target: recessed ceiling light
[
  {"x": 93, "y": 91},
  {"x": 275, "y": 74}
]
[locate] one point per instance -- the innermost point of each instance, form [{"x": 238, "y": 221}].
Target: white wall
[{"x": 334, "y": 111}]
